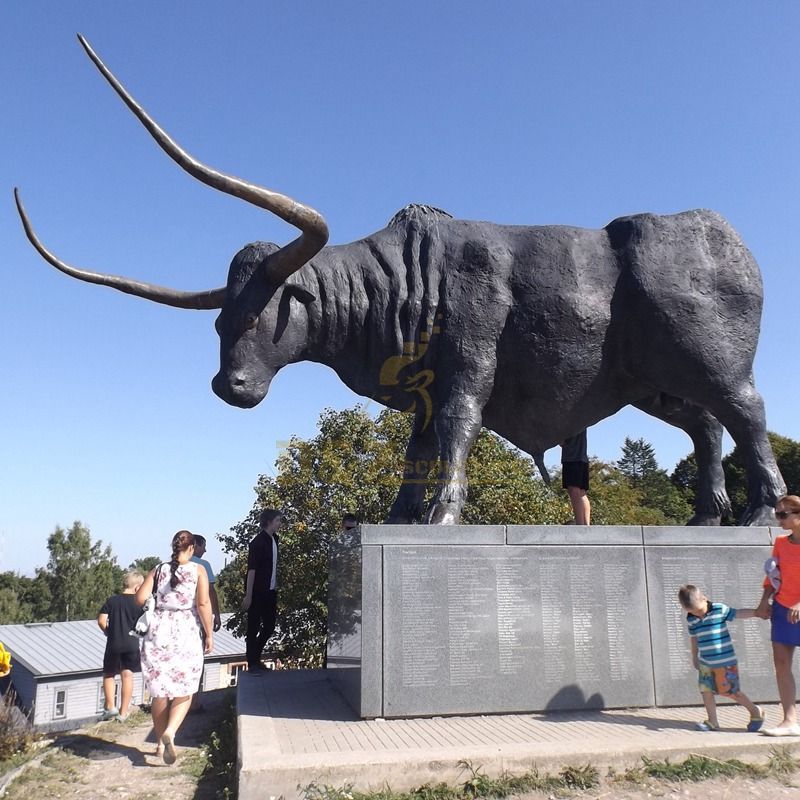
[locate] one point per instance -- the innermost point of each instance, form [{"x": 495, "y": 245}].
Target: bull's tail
[{"x": 538, "y": 459}]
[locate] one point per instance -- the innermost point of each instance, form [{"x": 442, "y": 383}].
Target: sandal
[
  {"x": 706, "y": 726},
  {"x": 757, "y": 722}
]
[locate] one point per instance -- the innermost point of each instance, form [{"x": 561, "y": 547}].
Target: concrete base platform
[{"x": 295, "y": 729}]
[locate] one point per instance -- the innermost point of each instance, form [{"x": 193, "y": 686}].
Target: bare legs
[
  {"x": 711, "y": 708},
  {"x": 160, "y": 712},
  {"x": 782, "y": 658},
  {"x": 109, "y": 687},
  {"x": 743, "y": 700},
  {"x": 126, "y": 692},
  {"x": 581, "y": 508},
  {"x": 168, "y": 714}
]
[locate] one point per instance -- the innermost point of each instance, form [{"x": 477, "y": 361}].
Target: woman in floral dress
[{"x": 172, "y": 649}]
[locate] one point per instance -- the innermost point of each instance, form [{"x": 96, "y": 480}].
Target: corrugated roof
[{"x": 66, "y": 648}]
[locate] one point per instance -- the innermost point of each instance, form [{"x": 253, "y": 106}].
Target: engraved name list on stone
[
  {"x": 470, "y": 606},
  {"x": 675, "y": 571},
  {"x": 515, "y": 610},
  {"x": 554, "y": 609},
  {"x": 583, "y": 591},
  {"x": 617, "y": 580},
  {"x": 423, "y": 652}
]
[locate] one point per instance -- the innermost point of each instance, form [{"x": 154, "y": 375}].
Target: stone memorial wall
[{"x": 430, "y": 620}]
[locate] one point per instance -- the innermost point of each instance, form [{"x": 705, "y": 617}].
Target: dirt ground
[{"x": 116, "y": 760}]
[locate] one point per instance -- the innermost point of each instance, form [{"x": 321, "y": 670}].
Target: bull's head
[{"x": 255, "y": 340}]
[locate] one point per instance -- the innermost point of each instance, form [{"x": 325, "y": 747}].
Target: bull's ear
[{"x": 299, "y": 293}]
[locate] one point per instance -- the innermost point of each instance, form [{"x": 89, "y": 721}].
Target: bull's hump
[{"x": 418, "y": 212}]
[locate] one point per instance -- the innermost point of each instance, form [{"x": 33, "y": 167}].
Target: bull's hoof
[
  {"x": 705, "y": 519},
  {"x": 443, "y": 514},
  {"x": 759, "y": 515}
]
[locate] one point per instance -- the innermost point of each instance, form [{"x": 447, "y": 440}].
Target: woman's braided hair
[{"x": 180, "y": 541}]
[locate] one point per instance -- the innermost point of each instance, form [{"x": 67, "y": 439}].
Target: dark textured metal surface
[{"x": 534, "y": 332}]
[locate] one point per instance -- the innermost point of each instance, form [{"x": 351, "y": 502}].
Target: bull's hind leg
[
  {"x": 711, "y": 500},
  {"x": 421, "y": 453},
  {"x": 741, "y": 410}
]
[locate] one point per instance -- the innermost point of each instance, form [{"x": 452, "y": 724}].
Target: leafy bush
[{"x": 17, "y": 734}]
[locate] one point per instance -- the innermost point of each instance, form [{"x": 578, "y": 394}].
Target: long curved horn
[
  {"x": 158, "y": 294},
  {"x": 313, "y": 226}
]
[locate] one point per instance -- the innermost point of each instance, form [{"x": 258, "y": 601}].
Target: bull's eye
[{"x": 251, "y": 320}]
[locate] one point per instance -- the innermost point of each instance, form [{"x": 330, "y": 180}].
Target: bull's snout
[{"x": 238, "y": 390}]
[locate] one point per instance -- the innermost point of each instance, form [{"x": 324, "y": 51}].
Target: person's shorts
[
  {"x": 114, "y": 663},
  {"x": 575, "y": 473},
  {"x": 723, "y": 681},
  {"x": 783, "y": 631}
]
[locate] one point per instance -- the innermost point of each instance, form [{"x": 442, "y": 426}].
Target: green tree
[
  {"x": 355, "y": 464},
  {"x": 684, "y": 476},
  {"x": 638, "y": 460},
  {"x": 228, "y": 592},
  {"x": 658, "y": 493},
  {"x": 12, "y": 611},
  {"x": 81, "y": 573},
  {"x": 615, "y": 501},
  {"x": 24, "y": 599},
  {"x": 144, "y": 565},
  {"x": 787, "y": 454}
]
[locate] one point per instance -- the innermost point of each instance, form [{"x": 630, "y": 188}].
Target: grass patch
[
  {"x": 48, "y": 779},
  {"x": 781, "y": 764},
  {"x": 17, "y": 760},
  {"x": 214, "y": 764},
  {"x": 571, "y": 780},
  {"x": 476, "y": 785}
]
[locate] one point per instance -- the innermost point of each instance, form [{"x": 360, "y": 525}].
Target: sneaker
[
  {"x": 756, "y": 723},
  {"x": 706, "y": 726},
  {"x": 109, "y": 713}
]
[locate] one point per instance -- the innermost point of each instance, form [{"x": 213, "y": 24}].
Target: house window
[
  {"x": 101, "y": 697},
  {"x": 233, "y": 672},
  {"x": 60, "y": 704}
]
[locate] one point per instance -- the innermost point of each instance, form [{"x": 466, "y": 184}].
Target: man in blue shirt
[{"x": 199, "y": 552}]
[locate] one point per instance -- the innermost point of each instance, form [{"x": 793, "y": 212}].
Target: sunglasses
[{"x": 784, "y": 514}]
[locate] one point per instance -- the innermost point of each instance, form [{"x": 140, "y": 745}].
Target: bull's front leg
[
  {"x": 421, "y": 452},
  {"x": 457, "y": 426}
]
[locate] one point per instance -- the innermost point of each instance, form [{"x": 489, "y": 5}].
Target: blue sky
[{"x": 516, "y": 112}]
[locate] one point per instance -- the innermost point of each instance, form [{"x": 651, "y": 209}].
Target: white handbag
[{"x": 148, "y": 609}]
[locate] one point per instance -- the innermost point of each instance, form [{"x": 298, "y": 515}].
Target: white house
[{"x": 57, "y": 670}]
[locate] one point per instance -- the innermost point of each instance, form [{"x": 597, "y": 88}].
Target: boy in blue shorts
[{"x": 713, "y": 655}]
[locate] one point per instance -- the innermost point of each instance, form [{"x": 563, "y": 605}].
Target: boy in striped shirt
[{"x": 713, "y": 655}]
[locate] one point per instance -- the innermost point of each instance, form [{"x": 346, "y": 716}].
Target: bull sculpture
[{"x": 533, "y": 332}]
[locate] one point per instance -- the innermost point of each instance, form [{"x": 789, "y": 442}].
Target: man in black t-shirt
[
  {"x": 261, "y": 589},
  {"x": 117, "y": 619}
]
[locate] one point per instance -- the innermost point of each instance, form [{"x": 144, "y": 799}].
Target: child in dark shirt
[{"x": 117, "y": 619}]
